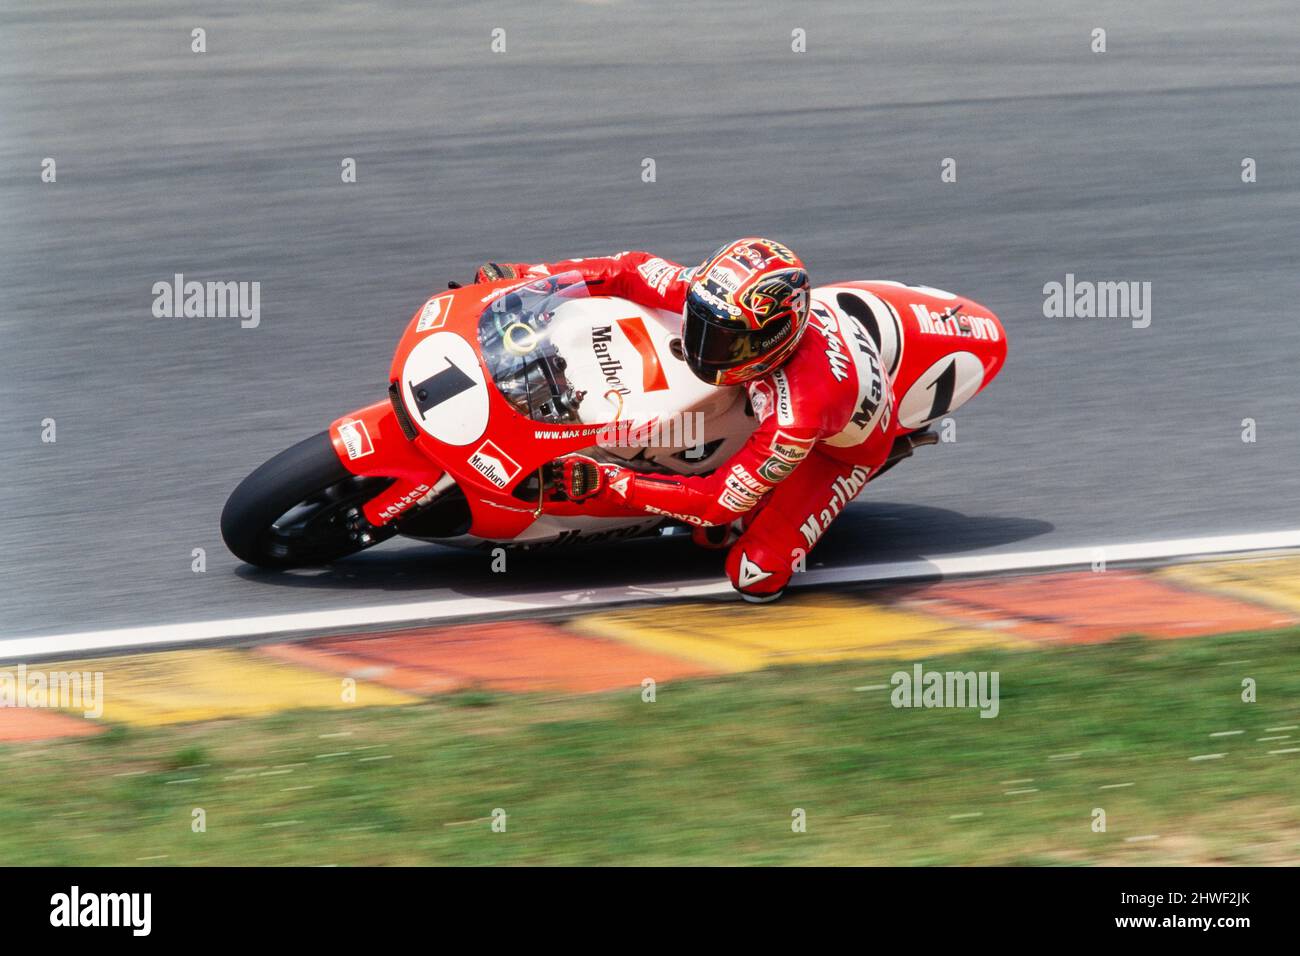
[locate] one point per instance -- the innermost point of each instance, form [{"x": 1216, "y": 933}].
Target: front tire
[{"x": 299, "y": 509}]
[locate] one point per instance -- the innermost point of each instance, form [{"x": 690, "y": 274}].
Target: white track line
[{"x": 461, "y": 608}]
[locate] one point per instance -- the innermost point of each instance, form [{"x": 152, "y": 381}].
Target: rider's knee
[{"x": 756, "y": 572}]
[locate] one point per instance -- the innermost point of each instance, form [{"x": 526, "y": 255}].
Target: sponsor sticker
[
  {"x": 732, "y": 501},
  {"x": 434, "y": 314},
  {"x": 749, "y": 480},
  {"x": 356, "y": 439},
  {"x": 676, "y": 516},
  {"x": 739, "y": 492},
  {"x": 775, "y": 469},
  {"x": 658, "y": 273},
  {"x": 958, "y": 325},
  {"x": 873, "y": 397},
  {"x": 494, "y": 464},
  {"x": 877, "y": 318},
  {"x": 717, "y": 302},
  {"x": 724, "y": 277},
  {"x": 842, "y": 490},
  {"x": 787, "y": 452},
  {"x": 416, "y": 495},
  {"x": 751, "y": 572},
  {"x": 744, "y": 254},
  {"x": 793, "y": 450},
  {"x": 836, "y": 354},
  {"x": 536, "y": 271},
  {"x": 602, "y": 346},
  {"x": 784, "y": 399},
  {"x": 760, "y": 399}
]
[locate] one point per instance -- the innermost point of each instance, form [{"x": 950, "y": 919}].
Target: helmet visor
[{"x": 712, "y": 346}]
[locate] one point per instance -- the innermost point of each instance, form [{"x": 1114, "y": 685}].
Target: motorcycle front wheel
[{"x": 300, "y": 509}]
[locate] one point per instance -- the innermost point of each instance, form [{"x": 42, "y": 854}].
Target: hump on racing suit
[{"x": 939, "y": 350}]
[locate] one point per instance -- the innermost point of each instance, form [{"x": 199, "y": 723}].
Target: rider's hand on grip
[
  {"x": 492, "y": 271},
  {"x": 579, "y": 477}
]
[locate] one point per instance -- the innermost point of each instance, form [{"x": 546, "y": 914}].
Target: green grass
[{"x": 710, "y": 772}]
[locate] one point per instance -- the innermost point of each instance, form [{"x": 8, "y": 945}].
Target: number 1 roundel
[
  {"x": 445, "y": 390},
  {"x": 946, "y": 385}
]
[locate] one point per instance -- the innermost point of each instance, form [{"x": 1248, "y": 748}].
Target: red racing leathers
[{"x": 825, "y": 425}]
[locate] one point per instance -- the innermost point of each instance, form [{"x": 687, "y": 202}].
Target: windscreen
[{"x": 515, "y": 339}]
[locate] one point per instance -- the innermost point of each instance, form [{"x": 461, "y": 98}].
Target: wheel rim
[{"x": 320, "y": 524}]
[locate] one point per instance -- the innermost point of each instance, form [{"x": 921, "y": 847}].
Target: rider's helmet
[{"x": 746, "y": 310}]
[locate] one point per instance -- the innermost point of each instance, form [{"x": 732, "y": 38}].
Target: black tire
[{"x": 292, "y": 512}]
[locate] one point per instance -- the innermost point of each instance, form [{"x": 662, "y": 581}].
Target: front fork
[{"x": 371, "y": 442}]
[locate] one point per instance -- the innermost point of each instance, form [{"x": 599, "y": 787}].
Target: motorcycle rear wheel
[{"x": 299, "y": 509}]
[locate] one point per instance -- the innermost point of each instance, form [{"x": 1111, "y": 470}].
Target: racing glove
[
  {"x": 492, "y": 271},
  {"x": 580, "y": 478}
]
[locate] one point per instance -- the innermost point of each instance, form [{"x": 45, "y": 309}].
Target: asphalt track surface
[{"x": 225, "y": 166}]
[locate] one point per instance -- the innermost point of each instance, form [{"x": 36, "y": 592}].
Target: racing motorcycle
[{"x": 492, "y": 382}]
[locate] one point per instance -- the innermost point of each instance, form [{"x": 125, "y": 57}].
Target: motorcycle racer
[{"x": 823, "y": 404}]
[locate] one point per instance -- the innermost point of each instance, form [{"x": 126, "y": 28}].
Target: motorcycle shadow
[{"x": 872, "y": 532}]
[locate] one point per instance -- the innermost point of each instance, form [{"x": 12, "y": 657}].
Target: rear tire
[{"x": 295, "y": 510}]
